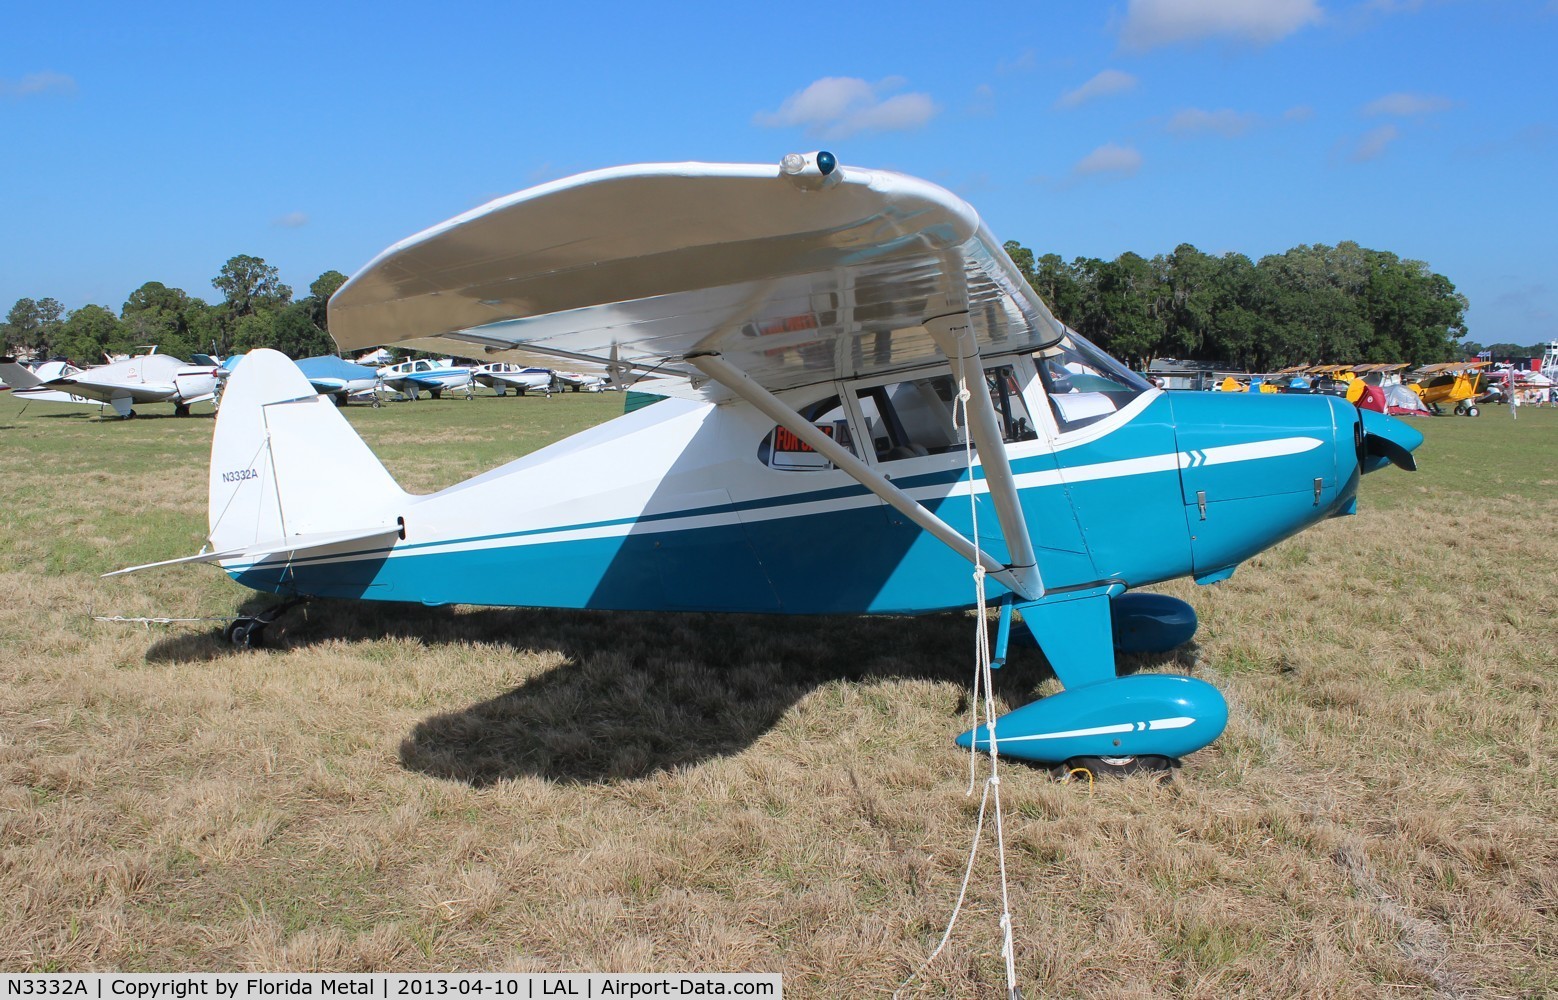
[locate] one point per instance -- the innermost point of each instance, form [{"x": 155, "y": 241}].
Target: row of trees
[
  {"x": 257, "y": 310},
  {"x": 1313, "y": 304}
]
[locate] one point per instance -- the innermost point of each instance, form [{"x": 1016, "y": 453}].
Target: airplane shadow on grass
[{"x": 639, "y": 693}]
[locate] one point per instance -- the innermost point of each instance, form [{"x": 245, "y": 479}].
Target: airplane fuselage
[{"x": 683, "y": 505}]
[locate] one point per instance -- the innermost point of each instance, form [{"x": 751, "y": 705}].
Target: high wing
[{"x": 792, "y": 278}]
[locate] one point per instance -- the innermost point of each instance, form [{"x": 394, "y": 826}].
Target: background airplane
[
  {"x": 340, "y": 379},
  {"x": 1458, "y": 382},
  {"x": 872, "y": 403},
  {"x": 329, "y": 374},
  {"x": 26, "y": 383},
  {"x": 501, "y": 376},
  {"x": 412, "y": 378},
  {"x": 142, "y": 379}
]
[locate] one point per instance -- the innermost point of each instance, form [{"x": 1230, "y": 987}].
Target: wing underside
[
  {"x": 107, "y": 392},
  {"x": 634, "y": 269}
]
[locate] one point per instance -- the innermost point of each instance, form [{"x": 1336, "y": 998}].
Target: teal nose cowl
[{"x": 1388, "y": 440}]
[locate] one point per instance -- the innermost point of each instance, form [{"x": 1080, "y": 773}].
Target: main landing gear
[
  {"x": 1102, "y": 723},
  {"x": 1090, "y": 768},
  {"x": 249, "y": 632}
]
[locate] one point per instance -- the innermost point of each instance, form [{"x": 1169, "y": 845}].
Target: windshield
[{"x": 1083, "y": 383}]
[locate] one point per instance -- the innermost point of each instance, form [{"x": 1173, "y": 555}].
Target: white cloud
[
  {"x": 1151, "y": 23},
  {"x": 1108, "y": 159},
  {"x": 292, "y": 220},
  {"x": 1373, "y": 144},
  {"x": 35, "y": 84},
  {"x": 836, "y": 107},
  {"x": 1224, "y": 121},
  {"x": 1404, "y": 105},
  {"x": 1110, "y": 81}
]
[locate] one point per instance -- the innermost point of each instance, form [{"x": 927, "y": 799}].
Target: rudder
[{"x": 285, "y": 462}]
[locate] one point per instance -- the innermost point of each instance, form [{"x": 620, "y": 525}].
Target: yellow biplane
[{"x": 1458, "y": 382}]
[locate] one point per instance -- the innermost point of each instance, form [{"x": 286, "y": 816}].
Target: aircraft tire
[
  {"x": 245, "y": 633},
  {"x": 1472, "y": 411},
  {"x": 437, "y": 393},
  {"x": 1116, "y": 767}
]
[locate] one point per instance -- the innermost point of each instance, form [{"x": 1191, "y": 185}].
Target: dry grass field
[{"x": 402, "y": 788}]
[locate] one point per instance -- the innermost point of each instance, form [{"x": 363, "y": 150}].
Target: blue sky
[{"x": 153, "y": 144}]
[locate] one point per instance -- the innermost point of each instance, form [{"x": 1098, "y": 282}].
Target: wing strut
[
  {"x": 740, "y": 383},
  {"x": 955, "y": 336}
]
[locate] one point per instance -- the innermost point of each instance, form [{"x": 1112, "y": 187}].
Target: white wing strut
[
  {"x": 955, "y": 337},
  {"x": 740, "y": 383}
]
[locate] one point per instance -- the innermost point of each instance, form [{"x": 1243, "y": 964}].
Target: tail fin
[
  {"x": 285, "y": 463},
  {"x": 17, "y": 377}
]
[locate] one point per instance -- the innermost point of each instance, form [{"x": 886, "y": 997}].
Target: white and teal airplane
[{"x": 812, "y": 326}]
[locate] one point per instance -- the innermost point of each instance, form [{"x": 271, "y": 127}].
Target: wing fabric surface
[{"x": 634, "y": 268}]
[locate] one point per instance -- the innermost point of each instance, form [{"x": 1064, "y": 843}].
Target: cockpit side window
[
  {"x": 785, "y": 451},
  {"x": 1084, "y": 384},
  {"x": 920, "y": 416}
]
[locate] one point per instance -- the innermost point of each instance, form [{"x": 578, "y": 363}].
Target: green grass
[{"x": 1488, "y": 456}]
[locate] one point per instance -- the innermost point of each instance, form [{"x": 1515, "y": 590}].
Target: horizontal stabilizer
[{"x": 295, "y": 545}]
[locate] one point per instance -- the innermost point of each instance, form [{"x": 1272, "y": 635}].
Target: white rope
[
  {"x": 121, "y": 619},
  {"x": 984, "y": 688}
]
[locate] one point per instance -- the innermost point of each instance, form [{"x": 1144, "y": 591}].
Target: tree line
[
  {"x": 1315, "y": 303},
  {"x": 257, "y": 310}
]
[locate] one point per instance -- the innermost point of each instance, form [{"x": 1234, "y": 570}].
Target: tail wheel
[{"x": 245, "y": 633}]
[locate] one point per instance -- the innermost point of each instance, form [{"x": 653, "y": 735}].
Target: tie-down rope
[{"x": 984, "y": 689}]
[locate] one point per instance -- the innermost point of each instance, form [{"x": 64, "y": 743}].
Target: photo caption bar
[{"x": 391, "y": 986}]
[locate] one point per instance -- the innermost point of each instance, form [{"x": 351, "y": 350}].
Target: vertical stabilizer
[
  {"x": 284, "y": 462},
  {"x": 17, "y": 377}
]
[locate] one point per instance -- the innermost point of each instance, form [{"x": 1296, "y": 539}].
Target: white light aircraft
[
  {"x": 26, "y": 383},
  {"x": 501, "y": 376},
  {"x": 855, "y": 369},
  {"x": 137, "y": 380}
]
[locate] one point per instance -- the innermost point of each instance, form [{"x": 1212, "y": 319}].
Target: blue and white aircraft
[
  {"x": 329, "y": 374},
  {"x": 412, "y": 378},
  {"x": 501, "y": 376},
  {"x": 814, "y": 328}
]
